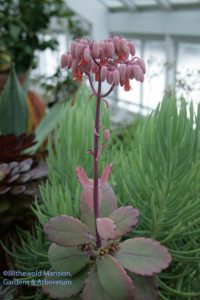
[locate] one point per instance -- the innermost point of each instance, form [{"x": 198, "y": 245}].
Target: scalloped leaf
[
  {"x": 87, "y": 194},
  {"x": 143, "y": 256},
  {"x": 93, "y": 287},
  {"x": 106, "y": 228},
  {"x": 87, "y": 215},
  {"x": 114, "y": 279},
  {"x": 65, "y": 290},
  {"x": 67, "y": 231},
  {"x": 145, "y": 287},
  {"x": 65, "y": 259},
  {"x": 109, "y": 201},
  {"x": 83, "y": 178},
  {"x": 124, "y": 218}
]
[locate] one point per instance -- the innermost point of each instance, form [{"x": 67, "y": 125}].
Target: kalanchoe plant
[{"x": 101, "y": 264}]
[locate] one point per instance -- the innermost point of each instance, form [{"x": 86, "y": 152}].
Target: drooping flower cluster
[{"x": 112, "y": 60}]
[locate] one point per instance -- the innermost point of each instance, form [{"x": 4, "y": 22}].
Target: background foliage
[
  {"x": 160, "y": 176},
  {"x": 24, "y": 25}
]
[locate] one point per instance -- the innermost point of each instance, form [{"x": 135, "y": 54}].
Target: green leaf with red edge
[
  {"x": 124, "y": 218},
  {"x": 114, "y": 279},
  {"x": 106, "y": 228},
  {"x": 143, "y": 256},
  {"x": 62, "y": 290},
  {"x": 107, "y": 198},
  {"x": 67, "y": 231},
  {"x": 87, "y": 194},
  {"x": 145, "y": 287},
  {"x": 109, "y": 201},
  {"x": 106, "y": 174},
  {"x": 93, "y": 287},
  {"x": 64, "y": 259},
  {"x": 87, "y": 215}
]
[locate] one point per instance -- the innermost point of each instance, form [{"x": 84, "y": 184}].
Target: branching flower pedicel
[{"x": 103, "y": 266}]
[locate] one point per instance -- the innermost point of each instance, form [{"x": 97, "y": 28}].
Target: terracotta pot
[{"x": 4, "y": 76}]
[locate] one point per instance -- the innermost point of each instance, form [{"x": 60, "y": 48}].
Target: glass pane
[
  {"x": 48, "y": 60},
  {"x": 188, "y": 71},
  {"x": 113, "y": 3},
  {"x": 183, "y": 1},
  {"x": 154, "y": 83},
  {"x": 145, "y": 2}
]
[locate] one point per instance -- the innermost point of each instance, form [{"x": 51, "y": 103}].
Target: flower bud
[
  {"x": 102, "y": 54},
  {"x": 106, "y": 134},
  {"x": 116, "y": 41},
  {"x": 110, "y": 49},
  {"x": 64, "y": 60},
  {"x": 72, "y": 49},
  {"x": 103, "y": 73},
  {"x": 141, "y": 63},
  {"x": 95, "y": 50},
  {"x": 137, "y": 72},
  {"x": 74, "y": 65},
  {"x": 130, "y": 72},
  {"x": 123, "y": 45},
  {"x": 142, "y": 77},
  {"x": 109, "y": 77},
  {"x": 116, "y": 77},
  {"x": 69, "y": 61},
  {"x": 131, "y": 48},
  {"x": 122, "y": 72},
  {"x": 87, "y": 55},
  {"x": 78, "y": 50},
  {"x": 127, "y": 86}
]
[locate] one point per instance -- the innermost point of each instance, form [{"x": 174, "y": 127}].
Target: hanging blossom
[{"x": 112, "y": 60}]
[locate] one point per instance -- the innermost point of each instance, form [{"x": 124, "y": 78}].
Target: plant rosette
[{"x": 92, "y": 249}]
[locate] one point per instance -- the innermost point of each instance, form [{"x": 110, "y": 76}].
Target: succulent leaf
[
  {"x": 67, "y": 231},
  {"x": 106, "y": 228},
  {"x": 114, "y": 279},
  {"x": 65, "y": 259},
  {"x": 65, "y": 290},
  {"x": 143, "y": 256},
  {"x": 13, "y": 104},
  {"x": 124, "y": 218},
  {"x": 93, "y": 287},
  {"x": 87, "y": 215},
  {"x": 109, "y": 201},
  {"x": 87, "y": 194},
  {"x": 12, "y": 147},
  {"x": 106, "y": 173},
  {"x": 83, "y": 178}
]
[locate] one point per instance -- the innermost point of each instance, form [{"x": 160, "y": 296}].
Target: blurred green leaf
[{"x": 13, "y": 107}]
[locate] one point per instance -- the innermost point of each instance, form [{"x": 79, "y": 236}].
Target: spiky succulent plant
[
  {"x": 20, "y": 174},
  {"x": 6, "y": 293}
]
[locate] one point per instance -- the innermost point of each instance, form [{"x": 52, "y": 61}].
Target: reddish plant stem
[{"x": 96, "y": 175}]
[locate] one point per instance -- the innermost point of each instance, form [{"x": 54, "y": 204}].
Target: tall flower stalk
[
  {"x": 113, "y": 61},
  {"x": 91, "y": 249}
]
